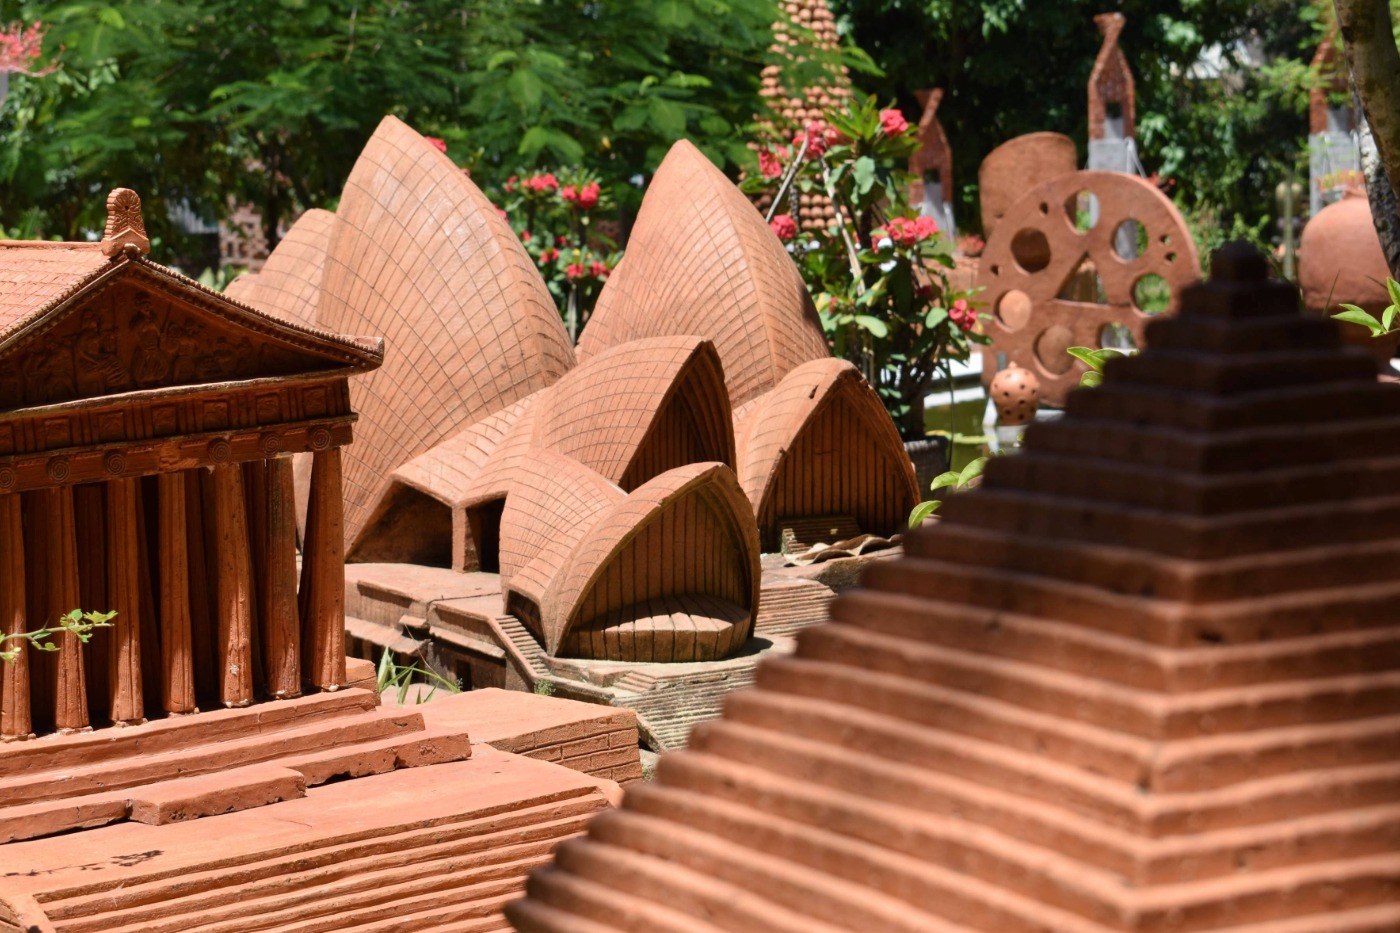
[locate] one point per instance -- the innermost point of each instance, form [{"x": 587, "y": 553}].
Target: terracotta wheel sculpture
[{"x": 1038, "y": 272}]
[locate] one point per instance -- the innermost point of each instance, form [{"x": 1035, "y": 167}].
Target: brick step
[
  {"x": 206, "y": 757},
  {"x": 152, "y": 738},
  {"x": 374, "y": 897},
  {"x": 305, "y": 874}
]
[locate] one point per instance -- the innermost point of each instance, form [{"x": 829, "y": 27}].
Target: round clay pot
[
  {"x": 1016, "y": 394},
  {"x": 1340, "y": 262}
]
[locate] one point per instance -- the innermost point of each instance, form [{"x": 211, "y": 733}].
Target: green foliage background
[
  {"x": 207, "y": 102},
  {"x": 269, "y": 101}
]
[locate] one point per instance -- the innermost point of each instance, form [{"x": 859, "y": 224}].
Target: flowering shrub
[
  {"x": 555, "y": 217},
  {"x": 21, "y": 48},
  {"x": 878, "y": 273}
]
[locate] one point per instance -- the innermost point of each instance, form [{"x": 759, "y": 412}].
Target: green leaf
[
  {"x": 1087, "y": 356},
  {"x": 935, "y": 317},
  {"x": 1091, "y": 379},
  {"x": 1393, "y": 287},
  {"x": 972, "y": 471},
  {"x": 922, "y": 511},
  {"x": 864, "y": 174},
  {"x": 1355, "y": 315},
  {"x": 1388, "y": 318},
  {"x": 951, "y": 478},
  {"x": 874, "y": 325}
]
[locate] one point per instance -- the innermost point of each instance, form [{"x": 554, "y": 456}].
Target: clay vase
[
  {"x": 1016, "y": 394},
  {"x": 1340, "y": 262}
]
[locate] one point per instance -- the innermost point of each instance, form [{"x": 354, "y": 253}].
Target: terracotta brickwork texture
[
  {"x": 1144, "y": 679},
  {"x": 1111, "y": 81}
]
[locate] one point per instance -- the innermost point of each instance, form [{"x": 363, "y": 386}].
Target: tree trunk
[{"x": 1374, "y": 61}]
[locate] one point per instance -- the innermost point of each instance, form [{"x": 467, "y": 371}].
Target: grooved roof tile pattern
[
  {"x": 289, "y": 284},
  {"x": 702, "y": 261},
  {"x": 448, "y": 471},
  {"x": 34, "y": 274},
  {"x": 601, "y": 413},
  {"x": 829, "y": 481},
  {"x": 419, "y": 255},
  {"x": 1143, "y": 679},
  {"x": 691, "y": 568},
  {"x": 553, "y": 502}
]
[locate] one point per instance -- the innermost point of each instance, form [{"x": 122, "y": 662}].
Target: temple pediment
[{"x": 130, "y": 325}]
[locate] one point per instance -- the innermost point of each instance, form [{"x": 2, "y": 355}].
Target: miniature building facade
[{"x": 146, "y": 431}]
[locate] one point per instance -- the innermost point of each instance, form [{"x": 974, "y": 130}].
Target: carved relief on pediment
[{"x": 127, "y": 338}]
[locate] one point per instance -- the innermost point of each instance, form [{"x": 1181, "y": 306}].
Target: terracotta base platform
[
  {"x": 455, "y": 622},
  {"x": 582, "y": 736},
  {"x": 440, "y": 848}
]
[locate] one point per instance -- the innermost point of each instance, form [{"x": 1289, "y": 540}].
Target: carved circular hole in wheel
[
  {"x": 1114, "y": 336},
  {"x": 1082, "y": 211},
  {"x": 1014, "y": 309},
  {"x": 1052, "y": 349},
  {"x": 1152, "y": 294},
  {"x": 1031, "y": 250},
  {"x": 1129, "y": 240}
]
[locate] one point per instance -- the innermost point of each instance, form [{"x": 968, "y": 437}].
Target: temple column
[
  {"x": 233, "y": 586},
  {"x": 124, "y": 595},
  {"x": 176, "y": 647},
  {"x": 55, "y": 510},
  {"x": 278, "y": 556},
  {"x": 323, "y": 575},
  {"x": 14, "y": 676}
]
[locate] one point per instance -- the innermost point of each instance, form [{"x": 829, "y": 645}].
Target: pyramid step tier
[{"x": 1112, "y": 658}]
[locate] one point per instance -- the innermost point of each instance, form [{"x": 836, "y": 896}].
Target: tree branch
[{"x": 1374, "y": 62}]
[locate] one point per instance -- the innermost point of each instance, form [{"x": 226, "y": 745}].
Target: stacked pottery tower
[{"x": 1145, "y": 679}]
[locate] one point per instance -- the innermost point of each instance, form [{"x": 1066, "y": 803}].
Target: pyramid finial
[{"x": 126, "y": 230}]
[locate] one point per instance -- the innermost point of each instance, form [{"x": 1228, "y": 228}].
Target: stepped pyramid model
[{"x": 1145, "y": 679}]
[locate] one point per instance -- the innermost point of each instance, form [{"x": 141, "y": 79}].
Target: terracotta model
[
  {"x": 1039, "y": 247},
  {"x": 1016, "y": 394},
  {"x": 147, "y": 427},
  {"x": 1331, "y": 69},
  {"x": 1016, "y": 165},
  {"x": 931, "y": 165},
  {"x": 794, "y": 107},
  {"x": 1112, "y": 100},
  {"x": 1340, "y": 262},
  {"x": 1142, "y": 680}
]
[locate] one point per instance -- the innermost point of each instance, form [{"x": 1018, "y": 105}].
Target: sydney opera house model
[{"x": 585, "y": 522}]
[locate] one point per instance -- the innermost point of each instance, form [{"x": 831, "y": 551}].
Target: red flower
[
  {"x": 512, "y": 182},
  {"x": 768, "y": 164},
  {"x": 599, "y": 269},
  {"x": 819, "y": 137},
  {"x": 542, "y": 183},
  {"x": 903, "y": 231},
  {"x": 588, "y": 197},
  {"x": 502, "y": 212},
  {"x": 893, "y": 123},
  {"x": 438, "y": 144},
  {"x": 561, "y": 240},
  {"x": 784, "y": 226},
  {"x": 574, "y": 270},
  {"x": 925, "y": 227},
  {"x": 525, "y": 236},
  {"x": 569, "y": 193},
  {"x": 962, "y": 315},
  {"x": 549, "y": 255}
]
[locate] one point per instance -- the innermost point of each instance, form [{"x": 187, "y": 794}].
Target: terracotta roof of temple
[
  {"x": 702, "y": 261},
  {"x": 39, "y": 278},
  {"x": 1144, "y": 679}
]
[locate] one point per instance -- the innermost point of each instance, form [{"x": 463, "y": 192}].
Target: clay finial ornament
[
  {"x": 1111, "y": 83},
  {"x": 1016, "y": 393},
  {"x": 126, "y": 230}
]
